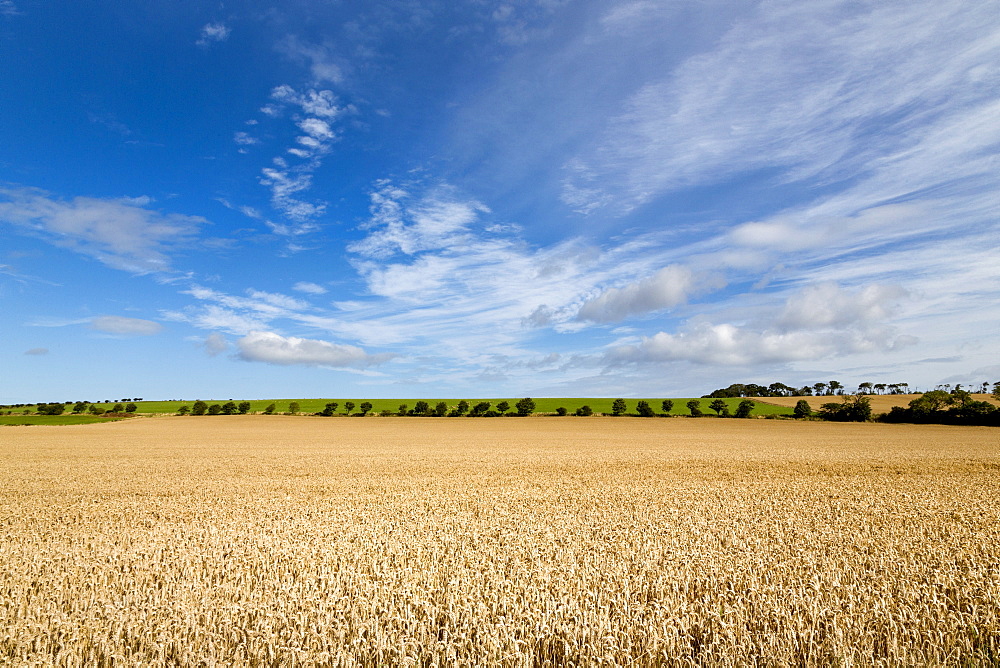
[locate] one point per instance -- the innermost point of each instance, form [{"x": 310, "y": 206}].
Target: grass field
[
  {"x": 543, "y": 405},
  {"x": 52, "y": 420},
  {"x": 308, "y": 541}
]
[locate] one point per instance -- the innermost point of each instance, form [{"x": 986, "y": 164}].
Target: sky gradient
[{"x": 544, "y": 198}]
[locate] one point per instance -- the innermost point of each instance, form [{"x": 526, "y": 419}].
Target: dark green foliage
[
  {"x": 525, "y": 406},
  {"x": 584, "y": 411},
  {"x": 561, "y": 410},
  {"x": 441, "y": 409},
  {"x": 745, "y": 408},
  {"x": 79, "y": 406},
  {"x": 270, "y": 409},
  {"x": 695, "y": 407},
  {"x": 293, "y": 408},
  {"x": 480, "y": 408},
  {"x": 421, "y": 408},
  {"x": 644, "y": 409},
  {"x": 243, "y": 407},
  {"x": 229, "y": 408},
  {"x": 618, "y": 407},
  {"x": 503, "y": 407},
  {"x": 183, "y": 410},
  {"x": 718, "y": 406},
  {"x": 938, "y": 407},
  {"x": 348, "y": 407},
  {"x": 365, "y": 407},
  {"x": 199, "y": 408},
  {"x": 667, "y": 406},
  {"x": 50, "y": 409},
  {"x": 461, "y": 409},
  {"x": 402, "y": 410},
  {"x": 852, "y": 409},
  {"x": 118, "y": 408},
  {"x": 214, "y": 409},
  {"x": 802, "y": 409},
  {"x": 131, "y": 408},
  {"x": 386, "y": 413}
]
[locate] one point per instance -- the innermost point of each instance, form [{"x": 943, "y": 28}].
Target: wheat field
[{"x": 284, "y": 541}]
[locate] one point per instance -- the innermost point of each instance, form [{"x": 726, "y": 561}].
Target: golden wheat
[{"x": 544, "y": 541}]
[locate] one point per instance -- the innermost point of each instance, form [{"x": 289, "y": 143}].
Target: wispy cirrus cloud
[{"x": 123, "y": 233}]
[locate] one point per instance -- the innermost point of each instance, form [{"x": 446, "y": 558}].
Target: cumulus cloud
[
  {"x": 37, "y": 351},
  {"x": 122, "y": 233},
  {"x": 667, "y": 288},
  {"x": 116, "y": 324},
  {"x": 818, "y": 322},
  {"x": 244, "y": 139},
  {"x": 276, "y": 349},
  {"x": 215, "y": 344},
  {"x": 309, "y": 288},
  {"x": 213, "y": 32}
]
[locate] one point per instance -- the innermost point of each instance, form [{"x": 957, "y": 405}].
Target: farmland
[{"x": 308, "y": 541}]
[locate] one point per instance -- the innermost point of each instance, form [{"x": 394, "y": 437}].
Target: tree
[
  {"x": 243, "y": 407},
  {"x": 183, "y": 410},
  {"x": 50, "y": 409},
  {"x": 745, "y": 408},
  {"x": 644, "y": 410},
  {"x": 695, "y": 407},
  {"x": 836, "y": 387},
  {"x": 441, "y": 409},
  {"x": 820, "y": 389},
  {"x": 996, "y": 391},
  {"x": 461, "y": 409},
  {"x": 561, "y": 410},
  {"x": 667, "y": 406},
  {"x": 348, "y": 407},
  {"x": 865, "y": 388},
  {"x": 97, "y": 410},
  {"x": 618, "y": 407},
  {"x": 269, "y": 410},
  {"x": 503, "y": 407},
  {"x": 856, "y": 408},
  {"x": 365, "y": 407},
  {"x": 131, "y": 407},
  {"x": 79, "y": 406},
  {"x": 880, "y": 388},
  {"x": 214, "y": 409},
  {"x": 802, "y": 409},
  {"x": 584, "y": 411},
  {"x": 117, "y": 408},
  {"x": 199, "y": 408},
  {"x": 293, "y": 408},
  {"x": 402, "y": 410},
  {"x": 421, "y": 408},
  {"x": 718, "y": 406},
  {"x": 229, "y": 408},
  {"x": 525, "y": 406},
  {"x": 480, "y": 409}
]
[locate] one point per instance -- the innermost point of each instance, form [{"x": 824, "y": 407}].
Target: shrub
[
  {"x": 461, "y": 409},
  {"x": 561, "y": 410},
  {"x": 584, "y": 411},
  {"x": 183, "y": 410},
  {"x": 745, "y": 408},
  {"x": 118, "y": 408},
  {"x": 229, "y": 408},
  {"x": 480, "y": 409},
  {"x": 365, "y": 407},
  {"x": 386, "y": 413},
  {"x": 214, "y": 409},
  {"x": 402, "y": 410},
  {"x": 695, "y": 407},
  {"x": 503, "y": 407},
  {"x": 293, "y": 408},
  {"x": 667, "y": 406},
  {"x": 131, "y": 408},
  {"x": 199, "y": 408},
  {"x": 441, "y": 409},
  {"x": 525, "y": 406},
  {"x": 270, "y": 409},
  {"x": 243, "y": 408},
  {"x": 802, "y": 409},
  {"x": 618, "y": 407},
  {"x": 856, "y": 408},
  {"x": 644, "y": 409},
  {"x": 421, "y": 408}
]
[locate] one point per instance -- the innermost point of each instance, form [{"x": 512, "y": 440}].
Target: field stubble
[{"x": 304, "y": 541}]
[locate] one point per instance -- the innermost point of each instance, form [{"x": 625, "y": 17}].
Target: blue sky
[{"x": 546, "y": 198}]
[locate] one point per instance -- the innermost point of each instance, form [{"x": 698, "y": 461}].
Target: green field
[
  {"x": 542, "y": 405},
  {"x": 14, "y": 420}
]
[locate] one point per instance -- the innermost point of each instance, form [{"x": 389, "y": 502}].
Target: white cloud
[
  {"x": 276, "y": 349},
  {"x": 320, "y": 58},
  {"x": 817, "y": 322},
  {"x": 213, "y": 32},
  {"x": 831, "y": 90},
  {"x": 122, "y": 233},
  {"x": 116, "y": 324},
  {"x": 8, "y": 8},
  {"x": 667, "y": 288},
  {"x": 215, "y": 344},
  {"x": 244, "y": 139},
  {"x": 309, "y": 288},
  {"x": 37, "y": 351}
]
